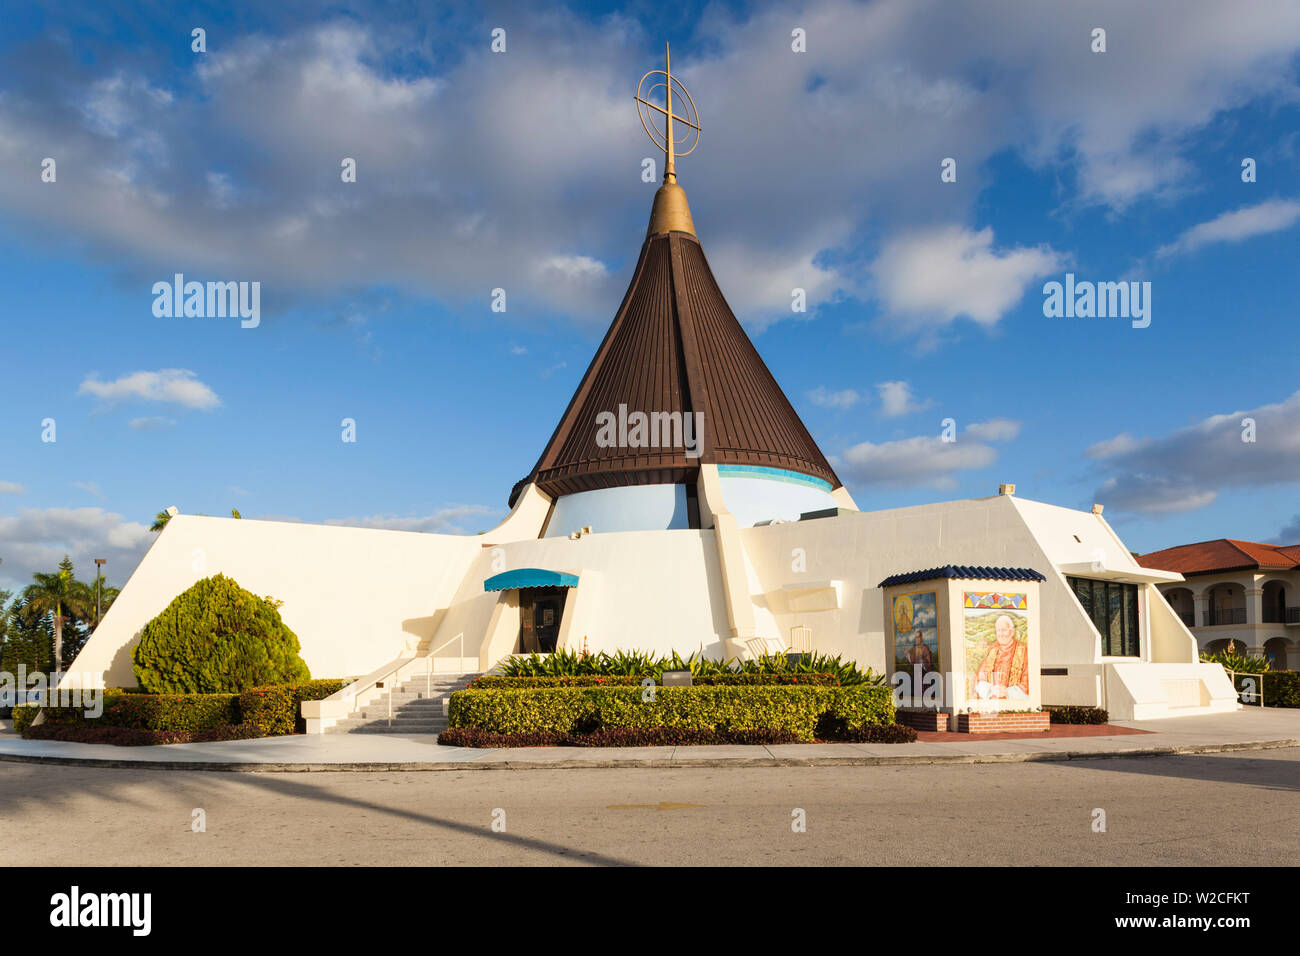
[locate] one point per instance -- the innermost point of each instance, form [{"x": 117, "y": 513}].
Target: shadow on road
[{"x": 1278, "y": 773}]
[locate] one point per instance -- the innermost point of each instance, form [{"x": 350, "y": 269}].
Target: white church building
[{"x": 681, "y": 505}]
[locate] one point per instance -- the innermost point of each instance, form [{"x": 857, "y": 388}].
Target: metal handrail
[
  {"x": 428, "y": 661},
  {"x": 361, "y": 685}
]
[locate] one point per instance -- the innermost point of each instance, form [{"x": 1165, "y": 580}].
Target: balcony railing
[
  {"x": 1188, "y": 617},
  {"x": 1229, "y": 615},
  {"x": 1282, "y": 615}
]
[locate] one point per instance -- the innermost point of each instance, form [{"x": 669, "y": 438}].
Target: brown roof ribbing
[{"x": 676, "y": 346}]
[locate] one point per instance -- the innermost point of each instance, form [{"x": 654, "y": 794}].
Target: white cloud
[
  {"x": 1188, "y": 468},
  {"x": 571, "y": 269},
  {"x": 1273, "y": 215},
  {"x": 823, "y": 397},
  {"x": 896, "y": 399},
  {"x": 922, "y": 460},
  {"x": 36, "y": 539},
  {"x": 452, "y": 520},
  {"x": 996, "y": 429},
  {"x": 931, "y": 277},
  {"x": 1290, "y": 533},
  {"x": 462, "y": 178},
  {"x": 89, "y": 487},
  {"x": 11, "y": 488},
  {"x": 1121, "y": 444},
  {"x": 149, "y": 423},
  {"x": 176, "y": 385}
]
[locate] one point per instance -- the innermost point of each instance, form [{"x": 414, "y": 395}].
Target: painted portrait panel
[
  {"x": 997, "y": 646},
  {"x": 916, "y": 634}
]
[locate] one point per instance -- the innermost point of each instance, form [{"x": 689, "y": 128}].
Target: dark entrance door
[{"x": 540, "y": 613}]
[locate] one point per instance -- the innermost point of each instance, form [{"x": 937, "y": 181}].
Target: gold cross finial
[{"x": 665, "y": 138}]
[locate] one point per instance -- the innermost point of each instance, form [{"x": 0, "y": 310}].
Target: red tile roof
[{"x": 1222, "y": 554}]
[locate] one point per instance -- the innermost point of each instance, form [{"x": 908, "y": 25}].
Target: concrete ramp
[{"x": 1148, "y": 691}]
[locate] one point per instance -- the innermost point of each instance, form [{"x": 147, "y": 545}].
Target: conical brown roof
[{"x": 675, "y": 346}]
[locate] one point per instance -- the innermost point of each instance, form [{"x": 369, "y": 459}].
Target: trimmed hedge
[
  {"x": 23, "y": 716},
  {"x": 180, "y": 718},
  {"x": 1076, "y": 714},
  {"x": 878, "y": 734},
  {"x": 612, "y": 737},
  {"x": 90, "y": 733},
  {"x": 584, "y": 710},
  {"x": 216, "y": 637},
  {"x": 1281, "y": 688},
  {"x": 174, "y": 712},
  {"x": 662, "y": 737},
  {"x": 496, "y": 682}
]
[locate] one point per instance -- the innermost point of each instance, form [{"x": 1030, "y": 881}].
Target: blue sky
[{"x": 522, "y": 170}]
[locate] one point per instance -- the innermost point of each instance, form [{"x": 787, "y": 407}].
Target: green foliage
[
  {"x": 29, "y": 639},
  {"x": 613, "y": 737},
  {"x": 1282, "y": 689},
  {"x": 268, "y": 710},
  {"x": 1075, "y": 714},
  {"x": 496, "y": 682},
  {"x": 640, "y": 664},
  {"x": 23, "y": 717},
  {"x": 259, "y": 712},
  {"x": 68, "y": 602},
  {"x": 182, "y": 712},
  {"x": 587, "y": 709},
  {"x": 1234, "y": 660},
  {"x": 217, "y": 638}
]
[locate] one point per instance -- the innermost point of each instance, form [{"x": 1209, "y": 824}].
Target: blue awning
[{"x": 530, "y": 578}]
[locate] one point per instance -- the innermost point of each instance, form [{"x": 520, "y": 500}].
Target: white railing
[
  {"x": 428, "y": 670},
  {"x": 321, "y": 714}
]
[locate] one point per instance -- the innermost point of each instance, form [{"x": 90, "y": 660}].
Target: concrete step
[
  {"x": 418, "y": 705},
  {"x": 406, "y": 726},
  {"x": 410, "y": 710}
]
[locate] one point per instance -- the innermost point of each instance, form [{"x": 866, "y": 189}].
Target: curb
[{"x": 865, "y": 760}]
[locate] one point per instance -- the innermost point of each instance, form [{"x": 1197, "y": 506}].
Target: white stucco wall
[
  {"x": 861, "y": 550},
  {"x": 354, "y": 596},
  {"x": 654, "y": 591}
]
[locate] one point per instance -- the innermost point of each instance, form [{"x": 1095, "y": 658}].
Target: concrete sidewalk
[{"x": 1249, "y": 729}]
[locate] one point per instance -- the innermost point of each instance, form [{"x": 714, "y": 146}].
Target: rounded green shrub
[{"x": 217, "y": 638}]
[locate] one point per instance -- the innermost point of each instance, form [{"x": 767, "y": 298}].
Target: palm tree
[
  {"x": 56, "y": 593},
  {"x": 160, "y": 521}
]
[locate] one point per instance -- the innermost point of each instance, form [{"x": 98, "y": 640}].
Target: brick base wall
[
  {"x": 923, "y": 719},
  {"x": 1003, "y": 723}
]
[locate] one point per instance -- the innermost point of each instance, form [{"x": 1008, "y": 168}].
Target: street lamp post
[{"x": 99, "y": 576}]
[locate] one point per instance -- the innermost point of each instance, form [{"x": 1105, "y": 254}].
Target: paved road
[{"x": 1184, "y": 810}]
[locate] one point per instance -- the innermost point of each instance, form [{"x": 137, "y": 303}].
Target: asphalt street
[{"x": 1174, "y": 810}]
